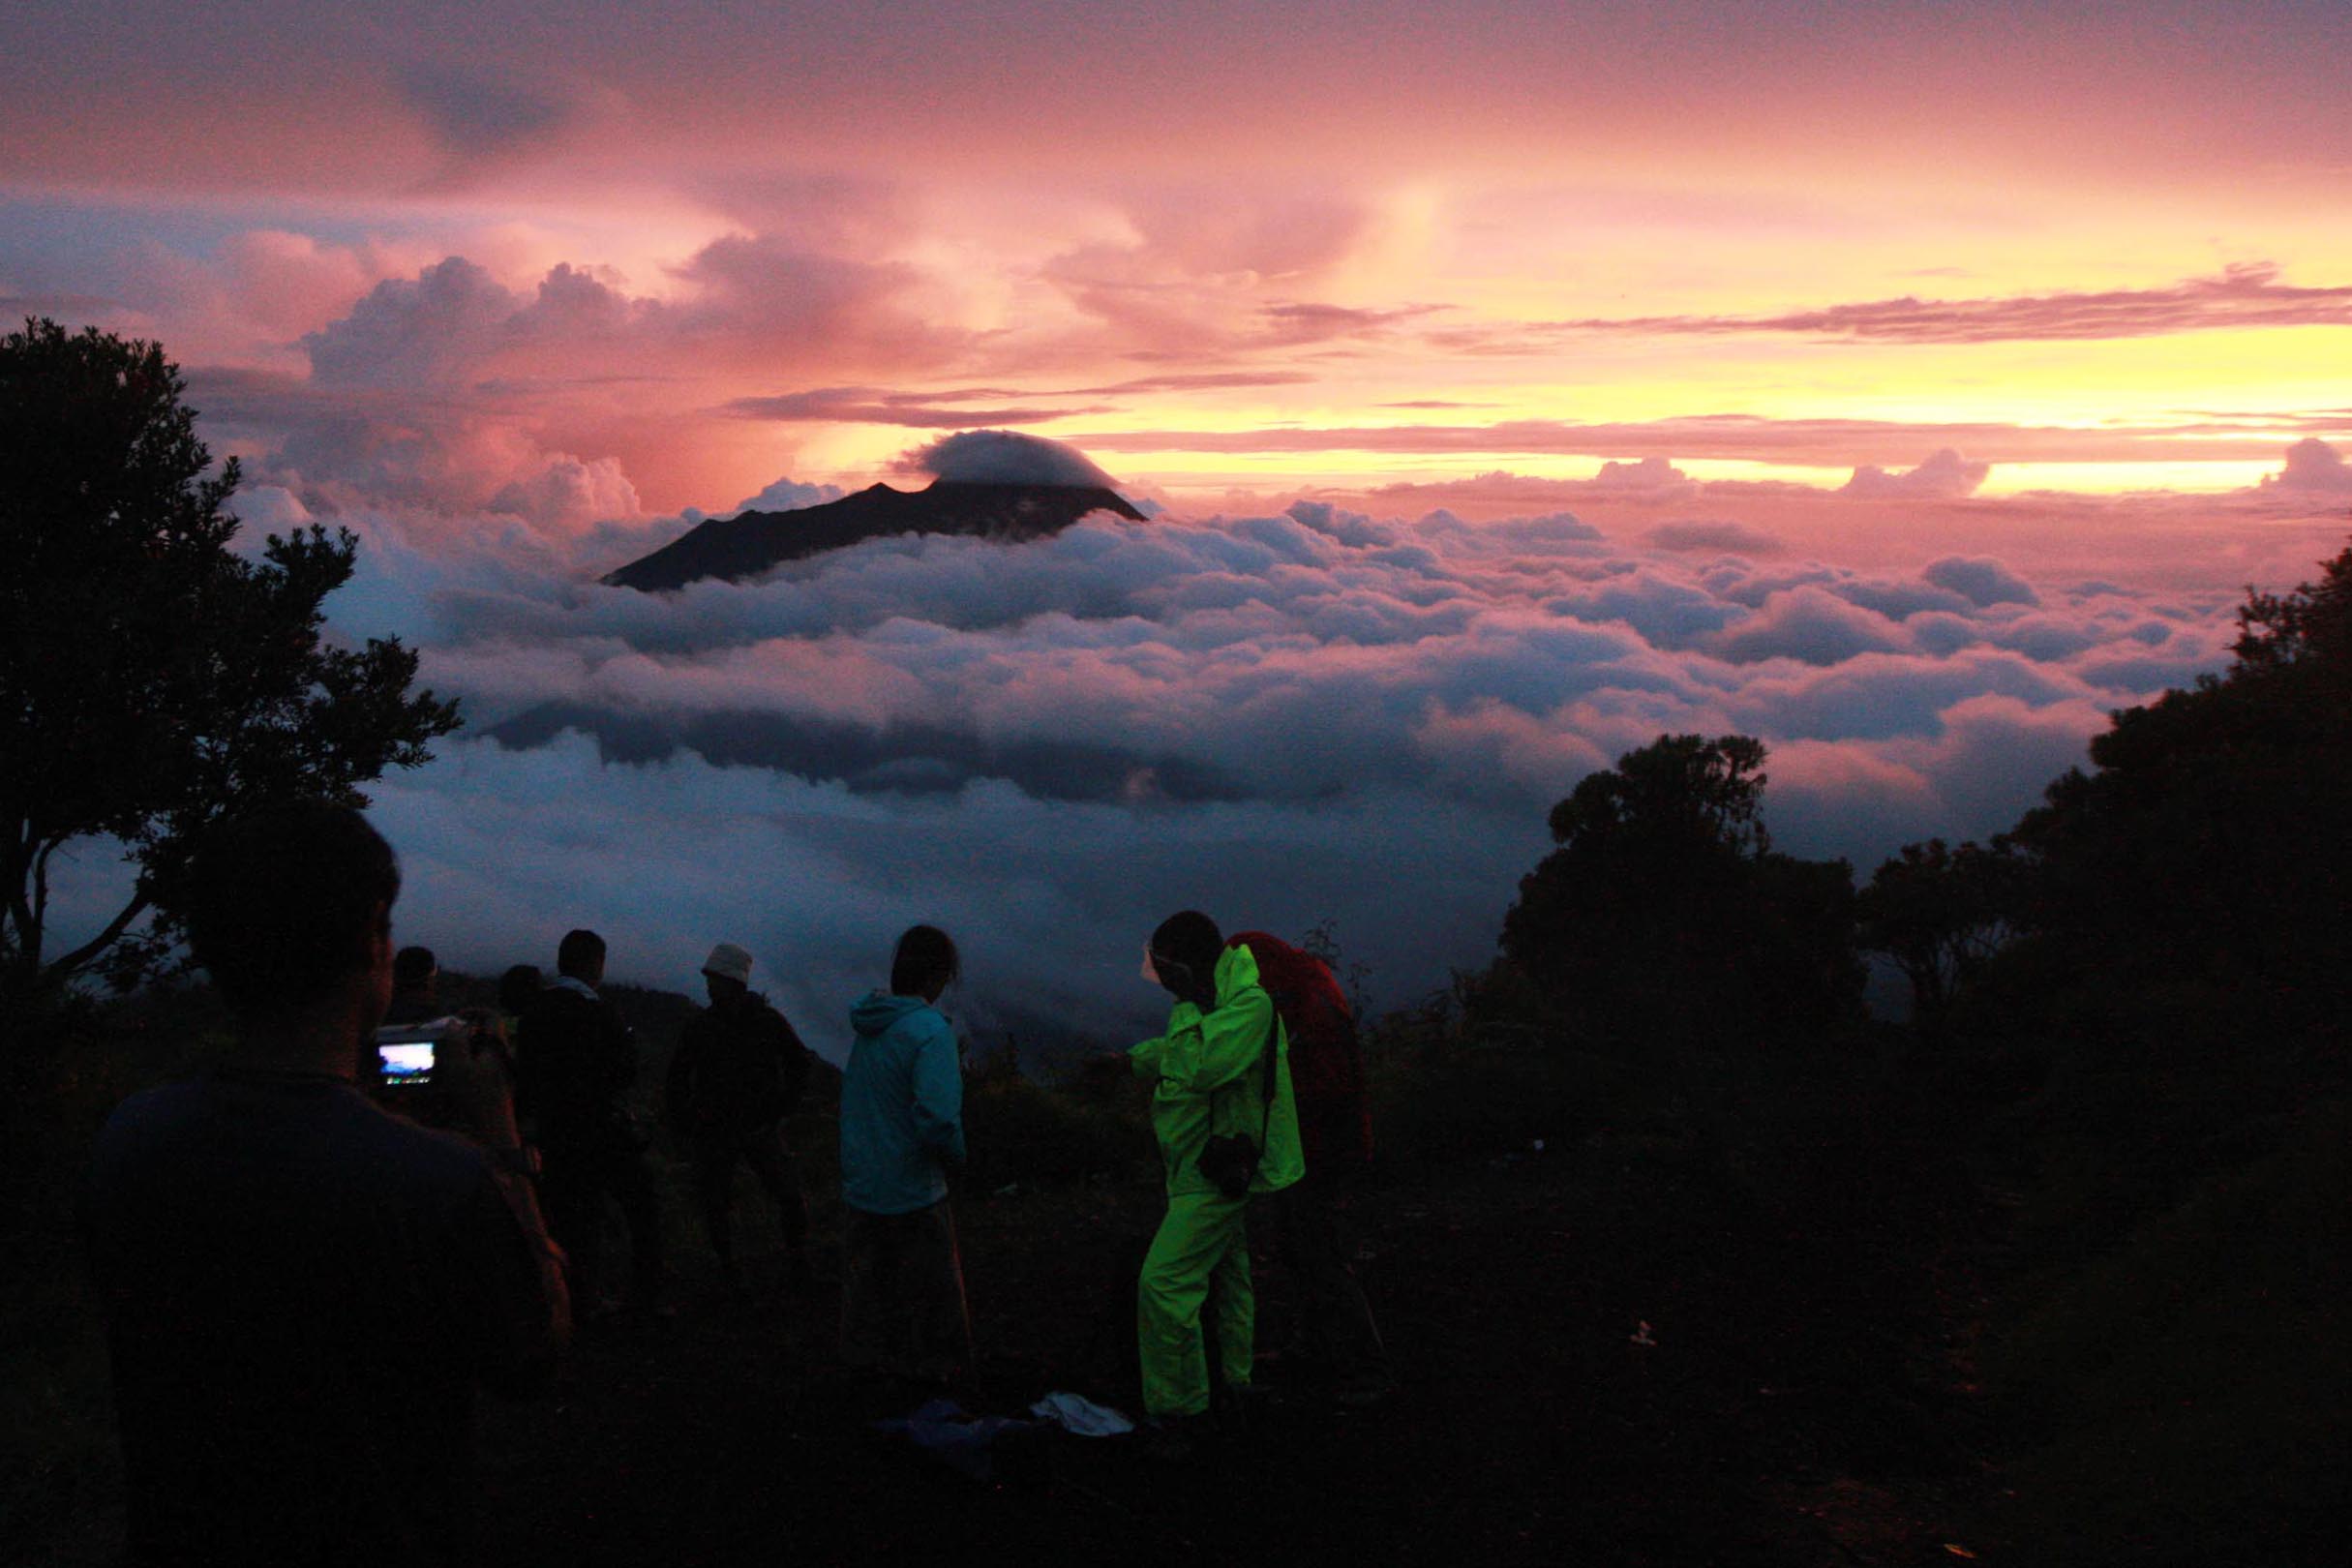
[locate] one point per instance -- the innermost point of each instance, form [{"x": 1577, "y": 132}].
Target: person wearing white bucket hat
[
  {"x": 739, "y": 1070},
  {"x": 727, "y": 961}
]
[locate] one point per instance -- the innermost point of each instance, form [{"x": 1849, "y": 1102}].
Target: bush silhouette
[{"x": 1666, "y": 921}]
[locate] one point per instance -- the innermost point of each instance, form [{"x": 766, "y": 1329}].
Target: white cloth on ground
[{"x": 1081, "y": 1417}]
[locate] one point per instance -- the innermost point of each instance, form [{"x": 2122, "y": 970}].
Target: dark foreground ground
[
  {"x": 1804, "y": 1400},
  {"x": 1819, "y": 1272},
  {"x": 1804, "y": 1268}
]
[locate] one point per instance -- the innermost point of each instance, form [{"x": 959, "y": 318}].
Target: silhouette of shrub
[
  {"x": 2186, "y": 1395},
  {"x": 1479, "y": 1102},
  {"x": 1021, "y": 1130}
]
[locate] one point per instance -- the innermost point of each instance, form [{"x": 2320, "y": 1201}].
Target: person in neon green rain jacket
[{"x": 1208, "y": 1078}]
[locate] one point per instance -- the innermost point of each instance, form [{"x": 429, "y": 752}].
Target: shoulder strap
[
  {"x": 1273, "y": 1049},
  {"x": 1267, "y": 1055}
]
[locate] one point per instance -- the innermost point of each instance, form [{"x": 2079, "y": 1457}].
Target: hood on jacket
[
  {"x": 1236, "y": 972},
  {"x": 876, "y": 1012}
]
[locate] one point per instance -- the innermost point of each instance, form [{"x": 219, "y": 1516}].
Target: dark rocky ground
[
  {"x": 1807, "y": 1399},
  {"x": 1834, "y": 1266},
  {"x": 1809, "y": 1262}
]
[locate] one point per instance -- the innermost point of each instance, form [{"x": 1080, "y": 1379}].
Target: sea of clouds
[{"x": 1313, "y": 716}]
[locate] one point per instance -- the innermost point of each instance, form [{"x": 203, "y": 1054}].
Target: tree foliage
[
  {"x": 1683, "y": 794},
  {"x": 1940, "y": 914},
  {"x": 151, "y": 678},
  {"x": 2310, "y": 629},
  {"x": 2213, "y": 833},
  {"x": 1666, "y": 917}
]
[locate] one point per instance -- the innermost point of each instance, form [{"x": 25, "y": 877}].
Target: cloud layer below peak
[{"x": 1282, "y": 717}]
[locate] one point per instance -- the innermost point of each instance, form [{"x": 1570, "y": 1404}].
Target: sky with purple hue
[{"x": 1908, "y": 386}]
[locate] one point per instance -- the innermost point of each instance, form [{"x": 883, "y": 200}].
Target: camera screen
[{"x": 406, "y": 1062}]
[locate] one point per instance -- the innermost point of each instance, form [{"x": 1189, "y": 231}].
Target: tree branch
[
  {"x": 20, "y": 908},
  {"x": 71, "y": 963},
  {"x": 40, "y": 886}
]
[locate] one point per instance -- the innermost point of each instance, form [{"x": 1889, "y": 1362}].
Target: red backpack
[{"x": 1326, "y": 1059}]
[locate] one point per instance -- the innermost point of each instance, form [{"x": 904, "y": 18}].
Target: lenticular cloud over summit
[
  {"x": 1309, "y": 714},
  {"x": 1006, "y": 456}
]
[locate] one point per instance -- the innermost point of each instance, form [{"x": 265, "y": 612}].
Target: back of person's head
[
  {"x": 1190, "y": 938},
  {"x": 282, "y": 901},
  {"x": 925, "y": 962},
  {"x": 581, "y": 953},
  {"x": 413, "y": 968},
  {"x": 519, "y": 987}
]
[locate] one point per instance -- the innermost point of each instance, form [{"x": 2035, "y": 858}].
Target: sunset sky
[{"x": 1761, "y": 308}]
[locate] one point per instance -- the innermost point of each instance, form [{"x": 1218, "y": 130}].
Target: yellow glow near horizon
[{"x": 1004, "y": 285}]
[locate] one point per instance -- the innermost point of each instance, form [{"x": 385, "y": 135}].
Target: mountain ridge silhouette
[{"x": 752, "y": 543}]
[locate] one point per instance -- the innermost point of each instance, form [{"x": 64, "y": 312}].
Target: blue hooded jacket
[{"x": 902, "y": 1106}]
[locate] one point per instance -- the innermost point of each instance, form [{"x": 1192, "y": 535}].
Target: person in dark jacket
[
  {"x": 576, "y": 1062},
  {"x": 416, "y": 987},
  {"x": 303, "y": 1291},
  {"x": 518, "y": 991},
  {"x": 738, "y": 1070}
]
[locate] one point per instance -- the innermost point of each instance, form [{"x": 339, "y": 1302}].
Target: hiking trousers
[
  {"x": 577, "y": 1183},
  {"x": 1336, "y": 1333},
  {"x": 1201, "y": 1238},
  {"x": 902, "y": 1293},
  {"x": 716, "y": 1154}
]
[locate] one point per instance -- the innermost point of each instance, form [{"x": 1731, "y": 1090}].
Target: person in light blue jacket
[{"x": 902, "y": 1129}]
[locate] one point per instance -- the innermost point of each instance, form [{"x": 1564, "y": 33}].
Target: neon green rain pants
[{"x": 1200, "y": 1239}]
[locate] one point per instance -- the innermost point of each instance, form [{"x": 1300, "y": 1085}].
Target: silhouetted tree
[
  {"x": 2213, "y": 834},
  {"x": 1940, "y": 915},
  {"x": 1665, "y": 915},
  {"x": 151, "y": 680},
  {"x": 2310, "y": 629}
]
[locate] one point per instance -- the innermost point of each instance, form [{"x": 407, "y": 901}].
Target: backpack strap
[
  {"x": 1272, "y": 1050},
  {"x": 1268, "y": 1053}
]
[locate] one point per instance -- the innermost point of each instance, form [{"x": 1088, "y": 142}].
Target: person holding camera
[
  {"x": 1223, "y": 1113},
  {"x": 302, "y": 1289}
]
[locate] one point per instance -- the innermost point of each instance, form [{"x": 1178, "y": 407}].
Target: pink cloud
[
  {"x": 2312, "y": 467},
  {"x": 1945, "y": 474},
  {"x": 1981, "y": 581},
  {"x": 442, "y": 326},
  {"x": 1737, "y": 437},
  {"x": 1810, "y": 626},
  {"x": 476, "y": 114},
  {"x": 569, "y": 493},
  {"x": 1193, "y": 382},
  {"x": 1273, "y": 232},
  {"x": 1736, "y": 538},
  {"x": 1532, "y": 750},
  {"x": 753, "y": 298},
  {"x": 2244, "y": 295},
  {"x": 448, "y": 389},
  {"x": 1645, "y": 476},
  {"x": 852, "y": 405}
]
